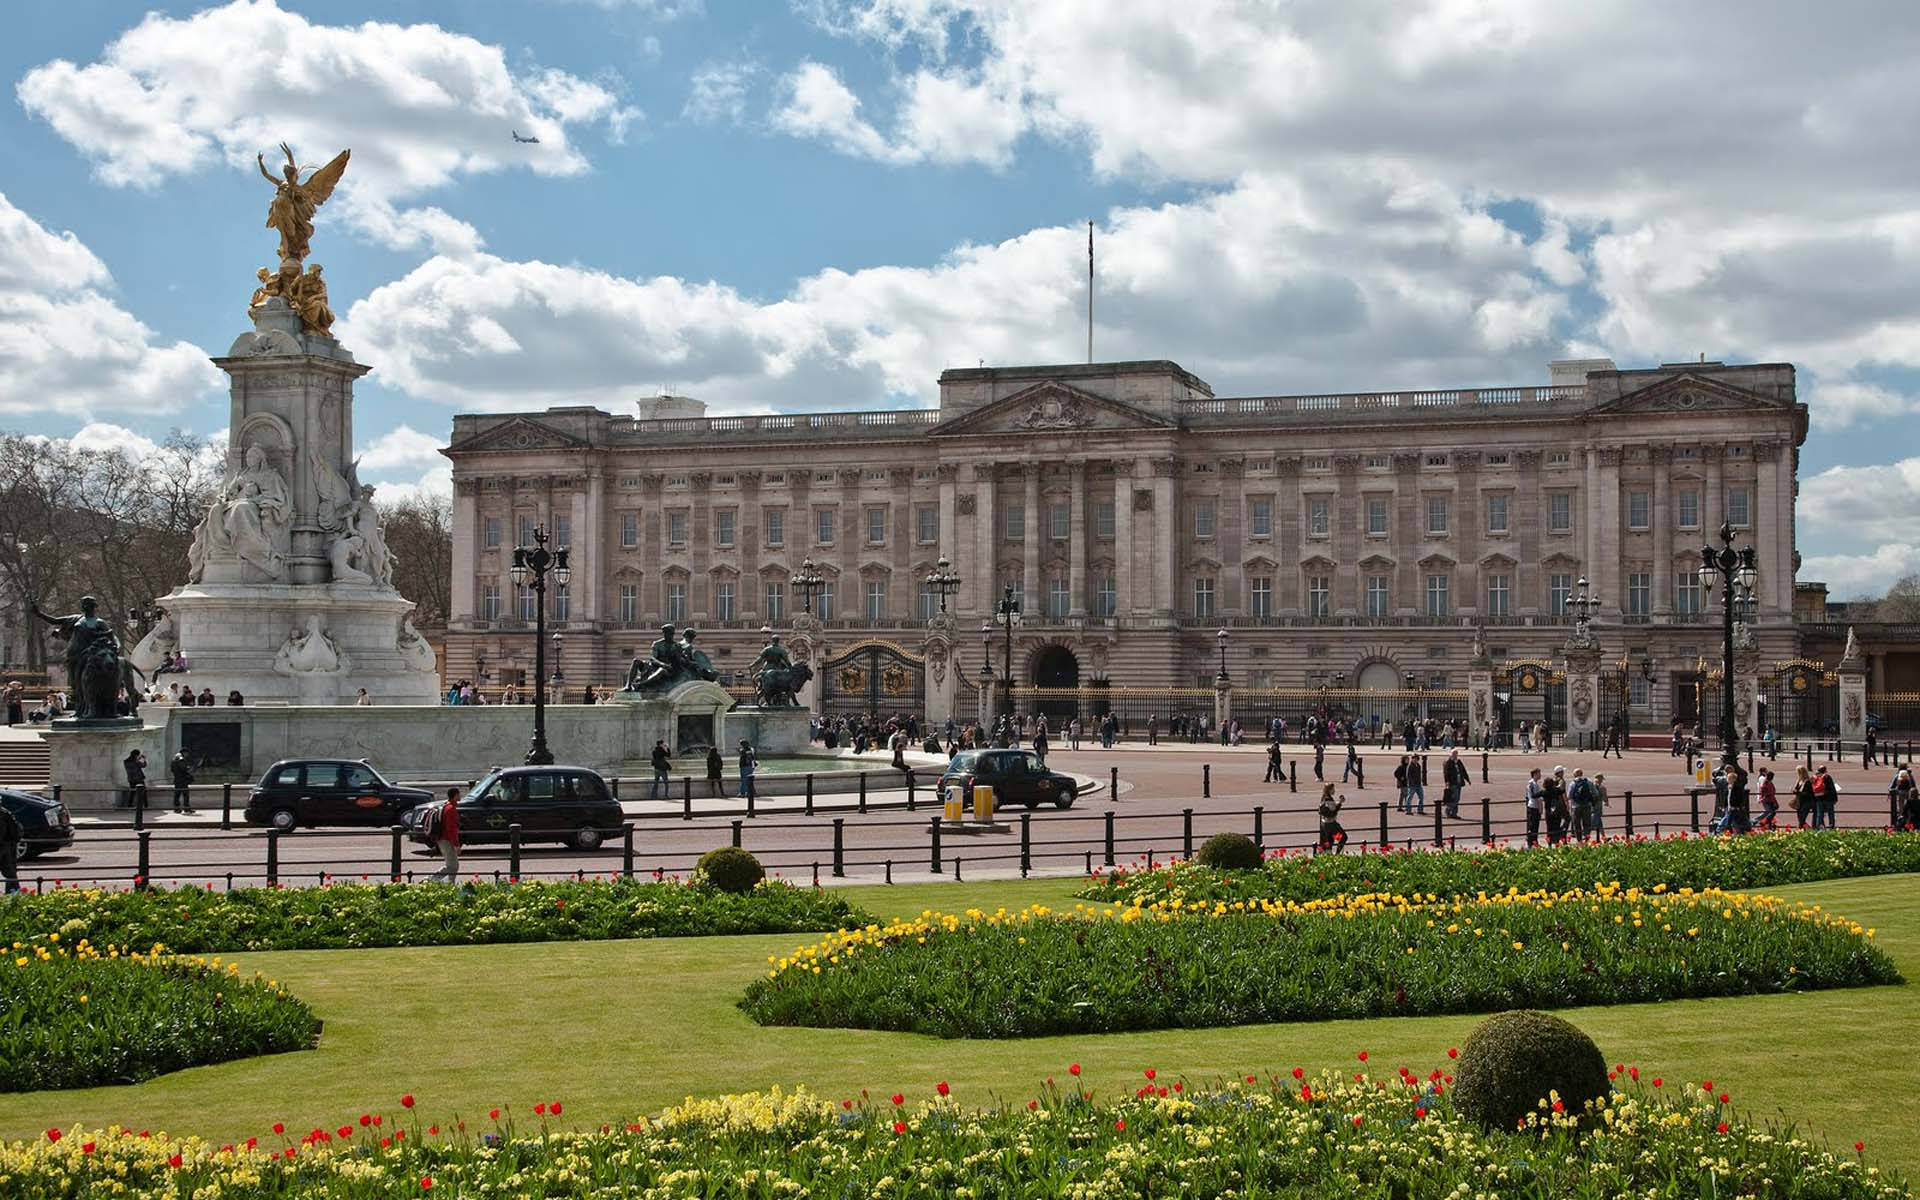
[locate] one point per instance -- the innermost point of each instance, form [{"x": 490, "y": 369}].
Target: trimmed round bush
[
  {"x": 1230, "y": 852},
  {"x": 730, "y": 869},
  {"x": 1513, "y": 1060}
]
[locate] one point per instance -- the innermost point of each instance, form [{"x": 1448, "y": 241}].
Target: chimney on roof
[
  {"x": 1572, "y": 372},
  {"x": 665, "y": 406}
]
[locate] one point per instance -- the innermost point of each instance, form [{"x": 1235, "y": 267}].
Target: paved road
[{"x": 1156, "y": 785}]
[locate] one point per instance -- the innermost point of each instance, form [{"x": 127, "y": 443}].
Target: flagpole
[{"x": 1089, "y": 292}]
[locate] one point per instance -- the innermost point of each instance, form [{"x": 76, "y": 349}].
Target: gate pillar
[{"x": 1853, "y": 691}]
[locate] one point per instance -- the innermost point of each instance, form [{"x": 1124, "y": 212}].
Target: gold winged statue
[{"x": 294, "y": 201}]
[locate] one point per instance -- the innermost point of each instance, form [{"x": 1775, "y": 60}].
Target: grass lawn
[{"x": 615, "y": 1028}]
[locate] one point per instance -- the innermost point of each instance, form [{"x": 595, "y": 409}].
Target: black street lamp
[
  {"x": 1221, "y": 637},
  {"x": 531, "y": 567},
  {"x": 1736, "y": 571},
  {"x": 559, "y": 676},
  {"x": 808, "y": 582},
  {"x": 1007, "y": 613},
  {"x": 943, "y": 581}
]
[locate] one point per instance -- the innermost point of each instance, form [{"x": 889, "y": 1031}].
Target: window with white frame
[
  {"x": 1639, "y": 691},
  {"x": 1318, "y": 519},
  {"x": 1260, "y": 517},
  {"x": 1436, "y": 514},
  {"x": 490, "y": 602},
  {"x": 926, "y": 520},
  {"x": 1559, "y": 588},
  {"x": 1639, "y": 593},
  {"x": 525, "y": 603},
  {"x": 562, "y": 531},
  {"x": 1203, "y": 519},
  {"x": 1636, "y": 510},
  {"x": 1497, "y": 513},
  {"x": 876, "y": 527},
  {"x": 1437, "y": 595},
  {"x": 1319, "y": 596},
  {"x": 677, "y": 527},
  {"x": 724, "y": 606},
  {"x": 1737, "y": 514},
  {"x": 562, "y": 603},
  {"x": 676, "y": 601},
  {"x": 1203, "y": 598},
  {"x": 1103, "y": 519},
  {"x": 491, "y": 539},
  {"x": 876, "y": 600},
  {"x": 629, "y": 530},
  {"x": 723, "y": 528},
  {"x": 1262, "y": 596},
  {"x": 527, "y": 526},
  {"x": 1019, "y": 585},
  {"x": 1015, "y": 521},
  {"x": 774, "y": 521},
  {"x": 929, "y": 602},
  {"x": 824, "y": 521},
  {"x": 1057, "y": 598},
  {"x": 776, "y": 600},
  {"x": 1560, "y": 513},
  {"x": 1498, "y": 595},
  {"x": 823, "y": 604},
  {"x": 1376, "y": 516},
  {"x": 1105, "y": 597},
  {"x": 1059, "y": 520},
  {"x": 1687, "y": 593},
  {"x": 1559, "y": 458},
  {"x": 629, "y": 604},
  {"x": 1687, "y": 501},
  {"x": 1377, "y": 601}
]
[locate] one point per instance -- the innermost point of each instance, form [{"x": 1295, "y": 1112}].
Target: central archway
[{"x": 1056, "y": 667}]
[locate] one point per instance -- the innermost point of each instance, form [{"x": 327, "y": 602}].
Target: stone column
[
  {"x": 1222, "y": 703},
  {"x": 466, "y": 548},
  {"x": 1746, "y": 682},
  {"x": 1853, "y": 691},
  {"x": 1229, "y": 520},
  {"x": 1772, "y": 511},
  {"x": 986, "y": 570},
  {"x": 748, "y": 540},
  {"x": 805, "y": 647},
  {"x": 1124, "y": 596},
  {"x": 1603, "y": 542},
  {"x": 1286, "y": 546},
  {"x": 949, "y": 521},
  {"x": 1713, "y": 501},
  {"x": 1526, "y": 515},
  {"x": 1033, "y": 588},
  {"x": 700, "y": 548},
  {"x": 1583, "y": 688},
  {"x": 1409, "y": 530},
  {"x": 1077, "y": 544},
  {"x": 1663, "y": 519},
  {"x": 1164, "y": 565},
  {"x": 1479, "y": 689},
  {"x": 943, "y": 670}
]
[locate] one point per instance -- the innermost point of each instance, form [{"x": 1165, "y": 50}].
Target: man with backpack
[
  {"x": 1580, "y": 796},
  {"x": 1826, "y": 797},
  {"x": 182, "y": 772},
  {"x": 440, "y": 828}
]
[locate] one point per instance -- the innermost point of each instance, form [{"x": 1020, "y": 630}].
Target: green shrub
[
  {"x": 352, "y": 916},
  {"x": 1759, "y": 860},
  {"x": 1229, "y": 852},
  {"x": 1514, "y": 1062},
  {"x": 1102, "y": 970},
  {"x": 86, "y": 1018},
  {"x": 730, "y": 869}
]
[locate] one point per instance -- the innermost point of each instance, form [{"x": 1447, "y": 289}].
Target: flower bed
[
  {"x": 83, "y": 1017},
  {"x": 344, "y": 916},
  {"x": 1105, "y": 969},
  {"x": 1735, "y": 863},
  {"x": 1284, "y": 1136}
]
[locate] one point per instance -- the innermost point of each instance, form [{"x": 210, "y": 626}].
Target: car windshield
[
  {"x": 359, "y": 775},
  {"x": 964, "y": 761},
  {"x": 484, "y": 792},
  {"x": 1030, "y": 763}
]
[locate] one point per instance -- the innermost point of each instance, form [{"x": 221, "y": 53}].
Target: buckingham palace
[{"x": 1158, "y": 538}]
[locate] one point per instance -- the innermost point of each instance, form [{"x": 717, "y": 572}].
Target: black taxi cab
[
  {"x": 1016, "y": 776},
  {"x": 549, "y": 804},
  {"x": 327, "y": 791}
]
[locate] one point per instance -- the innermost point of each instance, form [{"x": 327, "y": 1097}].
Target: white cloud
[
  {"x": 435, "y": 482},
  {"x": 814, "y": 103},
  {"x": 717, "y": 93},
  {"x": 1863, "y": 576},
  {"x": 66, "y": 347},
  {"x": 401, "y": 446},
  {"x": 420, "y": 107},
  {"x": 1869, "y": 504},
  {"x": 1840, "y": 404},
  {"x": 98, "y": 435}
]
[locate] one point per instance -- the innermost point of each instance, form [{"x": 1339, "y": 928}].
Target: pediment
[
  {"x": 520, "y": 433},
  {"x": 1685, "y": 393},
  {"x": 1050, "y": 407}
]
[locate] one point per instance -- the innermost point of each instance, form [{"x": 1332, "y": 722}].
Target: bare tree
[
  {"x": 419, "y": 531},
  {"x": 1901, "y": 604}
]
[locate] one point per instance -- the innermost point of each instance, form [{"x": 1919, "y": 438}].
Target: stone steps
[{"x": 24, "y": 763}]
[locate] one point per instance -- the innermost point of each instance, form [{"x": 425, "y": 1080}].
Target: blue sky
[{"x": 823, "y": 204}]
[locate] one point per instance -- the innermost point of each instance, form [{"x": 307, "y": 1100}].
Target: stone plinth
[
  {"x": 85, "y": 759},
  {"x": 773, "y": 731}
]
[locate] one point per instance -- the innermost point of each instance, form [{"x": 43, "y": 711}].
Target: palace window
[
  {"x": 876, "y": 527},
  {"x": 1105, "y": 600},
  {"x": 629, "y": 604},
  {"x": 490, "y": 602},
  {"x": 1559, "y": 458},
  {"x": 1497, "y": 514},
  {"x": 775, "y": 523},
  {"x": 629, "y": 530},
  {"x": 723, "y": 601},
  {"x": 491, "y": 539},
  {"x": 1499, "y": 460},
  {"x": 1203, "y": 598},
  {"x": 677, "y": 601},
  {"x": 1737, "y": 515},
  {"x": 1689, "y": 505},
  {"x": 1319, "y": 596},
  {"x": 1436, "y": 595},
  {"x": 1686, "y": 593},
  {"x": 823, "y": 603},
  {"x": 677, "y": 527},
  {"x": 1436, "y": 460},
  {"x": 876, "y": 600},
  {"x": 525, "y": 602},
  {"x": 723, "y": 523},
  {"x": 1498, "y": 590},
  {"x": 1057, "y": 598},
  {"x": 1058, "y": 521},
  {"x": 1317, "y": 516},
  {"x": 927, "y": 521},
  {"x": 1103, "y": 519},
  {"x": 1639, "y": 593},
  {"x": 1015, "y": 522},
  {"x": 527, "y": 526},
  {"x": 1376, "y": 595},
  {"x": 1376, "y": 461},
  {"x": 1436, "y": 514},
  {"x": 776, "y": 600},
  {"x": 929, "y": 602},
  {"x": 1263, "y": 596},
  {"x": 1376, "y": 516},
  {"x": 1559, "y": 588},
  {"x": 562, "y": 531},
  {"x": 1203, "y": 519},
  {"x": 562, "y": 603},
  {"x": 1560, "y": 513},
  {"x": 1260, "y": 518},
  {"x": 823, "y": 522},
  {"x": 1636, "y": 510}
]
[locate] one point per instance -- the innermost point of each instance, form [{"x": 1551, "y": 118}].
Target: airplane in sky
[{"x": 527, "y": 141}]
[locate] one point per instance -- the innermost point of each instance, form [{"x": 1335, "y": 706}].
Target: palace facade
[{"x": 1352, "y": 541}]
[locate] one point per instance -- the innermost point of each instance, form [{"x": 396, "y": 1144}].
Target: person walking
[
  {"x": 1599, "y": 815},
  {"x": 1737, "y": 818},
  {"x": 1039, "y": 744},
  {"x": 1804, "y": 805},
  {"x": 1333, "y": 835},
  {"x": 443, "y": 829},
  {"x": 1454, "y": 780},
  {"x": 1319, "y": 759},
  {"x": 1073, "y": 734},
  {"x": 1870, "y": 749},
  {"x": 1417, "y": 782},
  {"x": 10, "y": 834},
  {"x": 662, "y": 773},
  {"x": 716, "y": 773},
  {"x": 1826, "y": 796},
  {"x": 182, "y": 771},
  {"x": 1352, "y": 764},
  {"x": 1400, "y": 784},
  {"x": 1769, "y": 800},
  {"x": 1553, "y": 799},
  {"x": 1536, "y": 799},
  {"x": 135, "y": 764},
  {"x": 1613, "y": 738},
  {"x": 747, "y": 763},
  {"x": 1580, "y": 799},
  {"x": 1276, "y": 768},
  {"x": 16, "y": 703},
  {"x": 1903, "y": 801}
]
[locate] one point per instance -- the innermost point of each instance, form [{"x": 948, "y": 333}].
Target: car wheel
[
  {"x": 586, "y": 838},
  {"x": 282, "y": 820},
  {"x": 1064, "y": 801}
]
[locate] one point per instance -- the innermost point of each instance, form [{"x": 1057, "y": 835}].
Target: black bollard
[
  {"x": 1293, "y": 776},
  {"x": 839, "y": 847},
  {"x": 686, "y": 799},
  {"x": 626, "y": 854},
  {"x": 1113, "y": 783},
  {"x": 145, "y": 869},
  {"x": 1206, "y": 781},
  {"x": 809, "y": 793},
  {"x": 1486, "y": 820},
  {"x": 910, "y": 800},
  {"x": 1483, "y": 766},
  {"x": 1628, "y": 799},
  {"x": 513, "y": 852},
  {"x": 1026, "y": 844},
  {"x": 1259, "y": 827},
  {"x": 1186, "y": 833},
  {"x": 1109, "y": 847},
  {"x": 737, "y": 823},
  {"x": 933, "y": 845},
  {"x": 226, "y": 806},
  {"x": 273, "y": 856},
  {"x": 1385, "y": 836},
  {"x": 1439, "y": 831},
  {"x": 863, "y": 791},
  {"x": 393, "y": 866},
  {"x": 1693, "y": 797}
]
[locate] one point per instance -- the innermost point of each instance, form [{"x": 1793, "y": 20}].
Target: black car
[
  {"x": 328, "y": 791},
  {"x": 1016, "y": 776},
  {"x": 549, "y": 804},
  {"x": 45, "y": 825}
]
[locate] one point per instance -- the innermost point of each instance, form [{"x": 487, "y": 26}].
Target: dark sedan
[
  {"x": 328, "y": 791},
  {"x": 549, "y": 804},
  {"x": 1016, "y": 776},
  {"x": 45, "y": 825}
]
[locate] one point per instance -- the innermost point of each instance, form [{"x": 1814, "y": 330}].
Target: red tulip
[
  {"x": 426, "y": 1183},
  {"x": 53, "y": 1135},
  {"x": 346, "y": 1131},
  {"x": 1559, "y": 1107},
  {"x": 1720, "y": 1128},
  {"x": 1656, "y": 1081},
  {"x": 1297, "y": 1072},
  {"x": 365, "y": 1120},
  {"x": 1032, "y": 1104},
  {"x": 1357, "y": 1119},
  {"x": 540, "y": 1109},
  {"x": 494, "y": 1113},
  {"x": 278, "y": 1127},
  {"x": 1363, "y": 1056},
  {"x": 899, "y": 1126},
  {"x": 1857, "y": 1146},
  {"x": 86, "y": 1147},
  {"x": 898, "y": 1099},
  {"x": 406, "y": 1101},
  {"x": 847, "y": 1104},
  {"x": 1706, "y": 1085},
  {"x": 1120, "y": 1125},
  {"x": 942, "y": 1087},
  {"x": 175, "y": 1161},
  {"x": 1453, "y": 1052},
  {"x": 1073, "y": 1069},
  {"x": 1150, "y": 1073},
  {"x": 554, "y": 1108}
]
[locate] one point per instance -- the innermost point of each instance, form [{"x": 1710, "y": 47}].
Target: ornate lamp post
[
  {"x": 1221, "y": 637},
  {"x": 559, "y": 677},
  {"x": 532, "y": 565},
  {"x": 943, "y": 581},
  {"x": 808, "y": 583},
  {"x": 1007, "y": 615},
  {"x": 1735, "y": 569}
]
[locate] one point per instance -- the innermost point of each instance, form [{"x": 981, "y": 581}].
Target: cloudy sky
[{"x": 821, "y": 204}]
